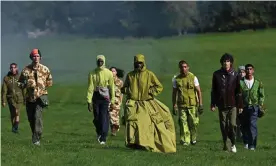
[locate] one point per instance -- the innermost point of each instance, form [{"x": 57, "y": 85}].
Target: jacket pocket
[
  {"x": 156, "y": 117},
  {"x": 192, "y": 101},
  {"x": 131, "y": 114},
  {"x": 19, "y": 97}
]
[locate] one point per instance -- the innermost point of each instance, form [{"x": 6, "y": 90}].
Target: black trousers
[{"x": 101, "y": 116}]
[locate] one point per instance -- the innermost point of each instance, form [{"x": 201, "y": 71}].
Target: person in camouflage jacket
[
  {"x": 114, "y": 111},
  {"x": 36, "y": 79},
  {"x": 13, "y": 95}
]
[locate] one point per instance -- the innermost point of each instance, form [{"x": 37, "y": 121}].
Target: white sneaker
[
  {"x": 193, "y": 142},
  {"x": 102, "y": 143},
  {"x": 233, "y": 149},
  {"x": 246, "y": 146},
  {"x": 252, "y": 149},
  {"x": 37, "y": 143},
  {"x": 99, "y": 139}
]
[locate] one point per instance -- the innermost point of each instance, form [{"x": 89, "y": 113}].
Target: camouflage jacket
[
  {"x": 12, "y": 90},
  {"x": 118, "y": 93},
  {"x": 36, "y": 81}
]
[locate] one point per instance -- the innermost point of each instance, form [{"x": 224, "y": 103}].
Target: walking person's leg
[
  {"x": 223, "y": 127},
  {"x": 96, "y": 120},
  {"x": 104, "y": 120},
  {"x": 253, "y": 128},
  {"x": 38, "y": 123},
  {"x": 30, "y": 108},
  {"x": 233, "y": 127}
]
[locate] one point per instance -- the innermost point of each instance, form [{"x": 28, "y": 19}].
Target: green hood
[
  {"x": 140, "y": 58},
  {"x": 103, "y": 58}
]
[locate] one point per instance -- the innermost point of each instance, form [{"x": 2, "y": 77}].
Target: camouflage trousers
[
  {"x": 34, "y": 112},
  {"x": 114, "y": 114},
  {"x": 188, "y": 122}
]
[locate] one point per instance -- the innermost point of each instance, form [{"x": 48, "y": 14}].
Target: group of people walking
[{"x": 149, "y": 124}]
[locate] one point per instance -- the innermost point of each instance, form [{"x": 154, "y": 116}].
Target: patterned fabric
[
  {"x": 253, "y": 96},
  {"x": 115, "y": 111},
  {"x": 188, "y": 122},
  {"x": 36, "y": 81}
]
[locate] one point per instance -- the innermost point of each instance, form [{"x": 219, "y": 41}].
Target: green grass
[{"x": 68, "y": 134}]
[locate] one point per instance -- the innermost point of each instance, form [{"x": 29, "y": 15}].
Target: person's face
[
  {"x": 226, "y": 64},
  {"x": 139, "y": 65},
  {"x": 184, "y": 68},
  {"x": 242, "y": 73},
  {"x": 100, "y": 62},
  {"x": 36, "y": 58},
  {"x": 249, "y": 71},
  {"x": 13, "y": 69},
  {"x": 114, "y": 72}
]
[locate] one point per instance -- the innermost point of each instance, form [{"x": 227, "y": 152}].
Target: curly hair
[{"x": 225, "y": 57}]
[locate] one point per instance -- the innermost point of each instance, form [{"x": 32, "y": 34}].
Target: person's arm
[
  {"x": 120, "y": 87},
  {"x": 111, "y": 88},
  {"x": 198, "y": 91},
  {"x": 261, "y": 94},
  {"x": 213, "y": 92},
  {"x": 156, "y": 87},
  {"x": 4, "y": 93},
  {"x": 125, "y": 85},
  {"x": 238, "y": 93},
  {"x": 174, "y": 92},
  {"x": 49, "y": 79},
  {"x": 90, "y": 88}
]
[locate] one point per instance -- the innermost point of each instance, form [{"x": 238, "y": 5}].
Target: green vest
[
  {"x": 186, "y": 95},
  {"x": 254, "y": 95}
]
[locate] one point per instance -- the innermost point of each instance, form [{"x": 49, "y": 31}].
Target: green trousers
[
  {"x": 188, "y": 122},
  {"x": 228, "y": 125},
  {"x": 34, "y": 112}
]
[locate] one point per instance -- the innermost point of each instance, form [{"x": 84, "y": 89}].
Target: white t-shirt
[
  {"x": 249, "y": 83},
  {"x": 196, "y": 82}
]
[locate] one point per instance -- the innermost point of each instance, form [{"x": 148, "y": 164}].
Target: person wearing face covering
[
  {"x": 100, "y": 95},
  {"x": 149, "y": 123}
]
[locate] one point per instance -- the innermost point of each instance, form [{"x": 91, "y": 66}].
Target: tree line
[{"x": 136, "y": 19}]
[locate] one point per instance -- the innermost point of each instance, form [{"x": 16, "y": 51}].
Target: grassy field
[{"x": 69, "y": 136}]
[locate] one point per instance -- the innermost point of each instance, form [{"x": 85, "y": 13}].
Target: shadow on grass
[{"x": 72, "y": 134}]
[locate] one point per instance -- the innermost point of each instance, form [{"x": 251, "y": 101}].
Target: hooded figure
[
  {"x": 149, "y": 124},
  {"x": 100, "y": 94}
]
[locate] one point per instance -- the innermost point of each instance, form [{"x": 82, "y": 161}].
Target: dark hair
[
  {"x": 249, "y": 65},
  {"x": 120, "y": 72},
  {"x": 225, "y": 57},
  {"x": 180, "y": 63},
  {"x": 9, "y": 73},
  {"x": 13, "y": 64}
]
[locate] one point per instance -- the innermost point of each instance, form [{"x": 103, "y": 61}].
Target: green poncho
[{"x": 148, "y": 121}]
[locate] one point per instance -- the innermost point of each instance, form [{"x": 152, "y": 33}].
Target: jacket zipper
[{"x": 13, "y": 88}]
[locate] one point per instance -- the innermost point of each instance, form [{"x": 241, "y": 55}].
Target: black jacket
[{"x": 226, "y": 90}]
